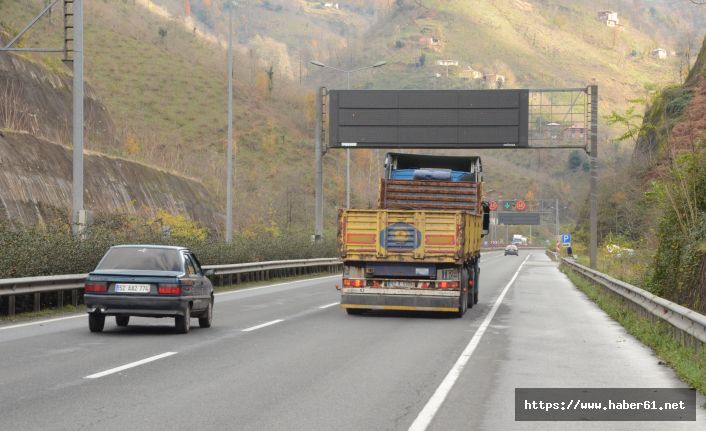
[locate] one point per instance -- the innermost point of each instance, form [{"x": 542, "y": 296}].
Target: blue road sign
[{"x": 565, "y": 239}]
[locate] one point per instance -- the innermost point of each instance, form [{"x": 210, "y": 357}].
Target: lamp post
[
  {"x": 348, "y": 87},
  {"x": 229, "y": 152}
]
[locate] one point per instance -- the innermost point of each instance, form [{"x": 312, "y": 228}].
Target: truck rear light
[
  {"x": 470, "y": 282},
  {"x": 347, "y": 282},
  {"x": 169, "y": 289},
  {"x": 447, "y": 285},
  {"x": 93, "y": 286}
]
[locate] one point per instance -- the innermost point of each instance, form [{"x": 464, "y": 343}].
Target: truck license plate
[
  {"x": 401, "y": 284},
  {"x": 132, "y": 288}
]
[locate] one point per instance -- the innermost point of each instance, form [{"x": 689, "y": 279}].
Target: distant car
[
  {"x": 149, "y": 281},
  {"x": 511, "y": 249}
]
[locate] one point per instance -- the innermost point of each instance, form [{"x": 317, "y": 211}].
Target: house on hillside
[
  {"x": 659, "y": 53},
  {"x": 469, "y": 73},
  {"x": 609, "y": 17},
  {"x": 575, "y": 131},
  {"x": 331, "y": 5},
  {"x": 430, "y": 43}
]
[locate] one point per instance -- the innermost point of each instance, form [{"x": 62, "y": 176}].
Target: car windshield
[{"x": 141, "y": 258}]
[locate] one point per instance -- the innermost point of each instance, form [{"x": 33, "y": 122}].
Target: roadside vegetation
[
  {"x": 51, "y": 249},
  {"x": 689, "y": 363},
  {"x": 652, "y": 229}
]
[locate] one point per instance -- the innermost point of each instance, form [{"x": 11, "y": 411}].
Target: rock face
[
  {"x": 36, "y": 177},
  {"x": 38, "y": 101}
]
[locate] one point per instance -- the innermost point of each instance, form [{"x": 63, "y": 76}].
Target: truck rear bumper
[{"x": 400, "y": 302}]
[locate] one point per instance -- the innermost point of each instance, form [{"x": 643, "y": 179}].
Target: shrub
[{"x": 51, "y": 249}]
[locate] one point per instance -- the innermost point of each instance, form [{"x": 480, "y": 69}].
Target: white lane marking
[
  {"x": 58, "y": 319},
  {"x": 41, "y": 322},
  {"x": 130, "y": 365},
  {"x": 329, "y": 305},
  {"x": 252, "y": 328},
  {"x": 434, "y": 404},
  {"x": 274, "y": 285}
]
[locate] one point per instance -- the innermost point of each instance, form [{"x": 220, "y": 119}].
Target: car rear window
[{"x": 141, "y": 258}]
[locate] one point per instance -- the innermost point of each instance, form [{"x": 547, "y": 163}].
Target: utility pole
[
  {"x": 319, "y": 187},
  {"x": 348, "y": 156},
  {"x": 79, "y": 218},
  {"x": 594, "y": 175},
  {"x": 73, "y": 44},
  {"x": 229, "y": 155},
  {"x": 556, "y": 218}
]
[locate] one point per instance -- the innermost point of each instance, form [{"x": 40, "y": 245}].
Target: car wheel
[
  {"x": 96, "y": 322},
  {"x": 207, "y": 318},
  {"x": 183, "y": 323},
  {"x": 122, "y": 320},
  {"x": 355, "y": 311}
]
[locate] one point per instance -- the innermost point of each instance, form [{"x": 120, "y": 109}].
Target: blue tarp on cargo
[{"x": 429, "y": 174}]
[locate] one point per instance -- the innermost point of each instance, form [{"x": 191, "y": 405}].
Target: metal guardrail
[
  {"x": 688, "y": 322},
  {"x": 223, "y": 274}
]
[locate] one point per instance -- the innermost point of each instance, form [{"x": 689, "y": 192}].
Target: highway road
[{"x": 286, "y": 357}]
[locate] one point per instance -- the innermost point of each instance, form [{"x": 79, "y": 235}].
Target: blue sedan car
[{"x": 149, "y": 281}]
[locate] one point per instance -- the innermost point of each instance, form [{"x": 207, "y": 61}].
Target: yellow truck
[{"x": 420, "y": 249}]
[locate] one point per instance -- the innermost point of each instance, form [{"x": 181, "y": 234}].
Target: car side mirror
[
  {"x": 486, "y": 219},
  {"x": 210, "y": 273}
]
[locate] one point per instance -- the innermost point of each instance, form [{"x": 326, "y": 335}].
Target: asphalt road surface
[{"x": 286, "y": 357}]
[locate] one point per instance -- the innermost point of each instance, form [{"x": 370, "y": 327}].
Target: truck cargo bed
[
  {"x": 409, "y": 235},
  {"x": 428, "y": 194}
]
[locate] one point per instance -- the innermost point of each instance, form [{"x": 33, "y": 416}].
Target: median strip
[
  {"x": 130, "y": 365},
  {"x": 253, "y": 328}
]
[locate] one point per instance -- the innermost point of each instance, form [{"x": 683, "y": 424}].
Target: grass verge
[
  {"x": 49, "y": 312},
  {"x": 688, "y": 363}
]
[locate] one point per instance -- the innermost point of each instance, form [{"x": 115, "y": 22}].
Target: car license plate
[
  {"x": 401, "y": 284},
  {"x": 132, "y": 288}
]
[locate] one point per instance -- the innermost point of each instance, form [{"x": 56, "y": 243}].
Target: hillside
[
  {"x": 664, "y": 190},
  {"x": 161, "y": 74},
  {"x": 35, "y": 185}
]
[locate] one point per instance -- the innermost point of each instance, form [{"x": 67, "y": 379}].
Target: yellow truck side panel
[{"x": 408, "y": 235}]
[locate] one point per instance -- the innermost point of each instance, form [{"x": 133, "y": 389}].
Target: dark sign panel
[
  {"x": 513, "y": 218},
  {"x": 428, "y": 118}
]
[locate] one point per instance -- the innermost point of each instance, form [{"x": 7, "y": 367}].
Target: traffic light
[{"x": 507, "y": 205}]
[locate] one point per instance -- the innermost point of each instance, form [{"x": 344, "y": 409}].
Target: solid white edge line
[
  {"x": 252, "y": 328},
  {"x": 329, "y": 305},
  {"x": 130, "y": 365},
  {"x": 58, "y": 319},
  {"x": 40, "y": 322},
  {"x": 231, "y": 292},
  {"x": 437, "y": 399}
]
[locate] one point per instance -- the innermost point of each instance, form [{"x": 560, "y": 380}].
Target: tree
[
  {"x": 162, "y": 32},
  {"x": 422, "y": 59},
  {"x": 631, "y": 121},
  {"x": 261, "y": 83},
  {"x": 132, "y": 146},
  {"x": 270, "y": 78},
  {"x": 574, "y": 160}
]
